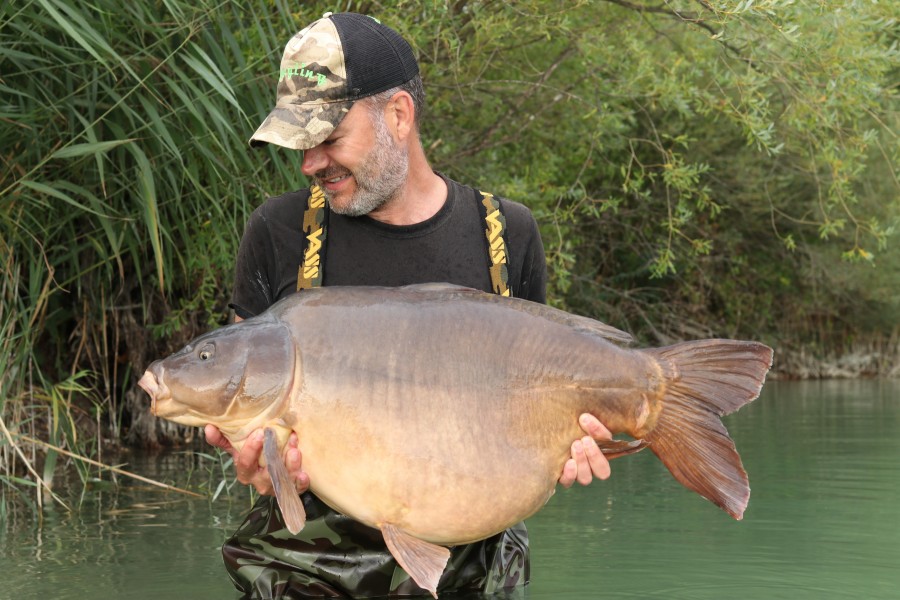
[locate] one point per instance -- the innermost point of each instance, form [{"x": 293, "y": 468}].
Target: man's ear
[{"x": 400, "y": 114}]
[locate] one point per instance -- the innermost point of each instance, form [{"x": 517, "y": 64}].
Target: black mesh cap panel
[{"x": 377, "y": 58}]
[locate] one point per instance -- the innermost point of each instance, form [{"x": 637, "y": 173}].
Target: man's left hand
[{"x": 587, "y": 460}]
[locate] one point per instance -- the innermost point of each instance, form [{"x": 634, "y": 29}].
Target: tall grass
[{"x": 125, "y": 180}]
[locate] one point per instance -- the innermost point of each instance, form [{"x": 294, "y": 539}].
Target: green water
[{"x": 823, "y": 521}]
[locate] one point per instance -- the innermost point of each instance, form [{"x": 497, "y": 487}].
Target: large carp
[{"x": 443, "y": 415}]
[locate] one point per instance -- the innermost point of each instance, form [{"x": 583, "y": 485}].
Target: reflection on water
[
  {"x": 129, "y": 541},
  {"x": 822, "y": 521}
]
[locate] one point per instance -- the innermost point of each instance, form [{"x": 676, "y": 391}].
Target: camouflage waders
[{"x": 337, "y": 557}]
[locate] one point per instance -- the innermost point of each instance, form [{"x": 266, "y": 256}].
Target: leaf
[
  {"x": 147, "y": 191},
  {"x": 219, "y": 489},
  {"x": 65, "y": 22},
  {"x": 86, "y": 36},
  {"x": 54, "y": 192},
  {"x": 88, "y": 148},
  {"x": 213, "y": 76}
]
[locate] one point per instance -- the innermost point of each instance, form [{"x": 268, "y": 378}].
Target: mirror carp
[{"x": 443, "y": 415}]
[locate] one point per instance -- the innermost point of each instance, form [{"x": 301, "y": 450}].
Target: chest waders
[{"x": 315, "y": 229}]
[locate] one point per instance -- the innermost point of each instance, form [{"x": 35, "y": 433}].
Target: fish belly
[
  {"x": 450, "y": 419},
  {"x": 438, "y": 485}
]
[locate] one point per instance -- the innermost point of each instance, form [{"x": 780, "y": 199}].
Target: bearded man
[{"x": 350, "y": 97}]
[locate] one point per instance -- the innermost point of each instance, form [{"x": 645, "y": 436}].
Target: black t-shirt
[{"x": 449, "y": 247}]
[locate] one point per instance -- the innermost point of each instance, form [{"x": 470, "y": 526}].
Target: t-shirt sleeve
[
  {"x": 253, "y": 279},
  {"x": 525, "y": 245},
  {"x": 534, "y": 266}
]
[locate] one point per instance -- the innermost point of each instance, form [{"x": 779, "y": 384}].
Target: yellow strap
[
  {"x": 311, "y": 271},
  {"x": 497, "y": 251}
]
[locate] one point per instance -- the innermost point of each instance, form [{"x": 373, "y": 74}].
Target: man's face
[{"x": 359, "y": 167}]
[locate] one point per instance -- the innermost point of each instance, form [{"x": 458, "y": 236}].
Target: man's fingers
[
  {"x": 597, "y": 463},
  {"x": 593, "y": 427},
  {"x": 293, "y": 460},
  {"x": 587, "y": 461},
  {"x": 301, "y": 481},
  {"x": 246, "y": 462},
  {"x": 583, "y": 474},
  {"x": 215, "y": 438},
  {"x": 568, "y": 475}
]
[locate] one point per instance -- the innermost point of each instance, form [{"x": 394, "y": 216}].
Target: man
[{"x": 350, "y": 97}]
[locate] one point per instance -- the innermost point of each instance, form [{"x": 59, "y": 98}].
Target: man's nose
[{"x": 314, "y": 160}]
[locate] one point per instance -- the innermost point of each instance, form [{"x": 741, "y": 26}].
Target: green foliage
[
  {"x": 125, "y": 182},
  {"x": 686, "y": 158},
  {"x": 697, "y": 168}
]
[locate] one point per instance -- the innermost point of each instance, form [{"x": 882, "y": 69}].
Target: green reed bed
[{"x": 125, "y": 183}]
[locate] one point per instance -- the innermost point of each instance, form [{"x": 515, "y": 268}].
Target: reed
[{"x": 125, "y": 182}]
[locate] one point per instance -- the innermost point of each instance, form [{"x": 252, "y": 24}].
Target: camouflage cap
[{"x": 326, "y": 67}]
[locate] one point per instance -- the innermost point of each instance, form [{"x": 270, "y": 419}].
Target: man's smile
[{"x": 333, "y": 180}]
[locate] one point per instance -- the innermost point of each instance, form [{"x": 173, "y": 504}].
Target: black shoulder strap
[
  {"x": 315, "y": 224},
  {"x": 497, "y": 244}
]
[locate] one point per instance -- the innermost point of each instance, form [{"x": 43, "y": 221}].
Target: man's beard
[{"x": 379, "y": 176}]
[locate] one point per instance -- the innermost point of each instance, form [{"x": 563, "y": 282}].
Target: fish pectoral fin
[
  {"x": 616, "y": 448},
  {"x": 288, "y": 499},
  {"x": 423, "y": 560}
]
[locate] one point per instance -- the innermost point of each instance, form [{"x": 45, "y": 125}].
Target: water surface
[{"x": 823, "y": 520}]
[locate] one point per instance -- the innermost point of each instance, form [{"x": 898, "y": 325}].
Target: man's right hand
[
  {"x": 587, "y": 460},
  {"x": 246, "y": 462}
]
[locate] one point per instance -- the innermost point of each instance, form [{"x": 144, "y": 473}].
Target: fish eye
[{"x": 206, "y": 352}]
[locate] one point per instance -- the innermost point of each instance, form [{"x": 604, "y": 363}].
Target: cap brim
[{"x": 300, "y": 126}]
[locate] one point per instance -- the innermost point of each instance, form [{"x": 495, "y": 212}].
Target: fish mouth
[{"x": 158, "y": 391}]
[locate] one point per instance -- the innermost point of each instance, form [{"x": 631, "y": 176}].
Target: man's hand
[
  {"x": 246, "y": 462},
  {"x": 587, "y": 461}
]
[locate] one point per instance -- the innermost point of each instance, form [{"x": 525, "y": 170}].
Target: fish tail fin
[{"x": 704, "y": 380}]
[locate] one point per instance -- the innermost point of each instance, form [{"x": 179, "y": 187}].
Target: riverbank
[{"x": 871, "y": 359}]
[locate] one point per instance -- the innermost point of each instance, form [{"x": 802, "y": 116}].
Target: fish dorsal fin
[
  {"x": 591, "y": 326},
  {"x": 576, "y": 322},
  {"x": 423, "y": 561},
  {"x": 288, "y": 499},
  {"x": 437, "y": 286}
]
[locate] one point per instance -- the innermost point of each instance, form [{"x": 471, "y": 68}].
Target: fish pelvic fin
[
  {"x": 422, "y": 560},
  {"x": 704, "y": 380},
  {"x": 618, "y": 448},
  {"x": 288, "y": 499}
]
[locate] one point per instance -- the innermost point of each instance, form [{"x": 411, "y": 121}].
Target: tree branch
[
  {"x": 687, "y": 17},
  {"x": 485, "y": 136}
]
